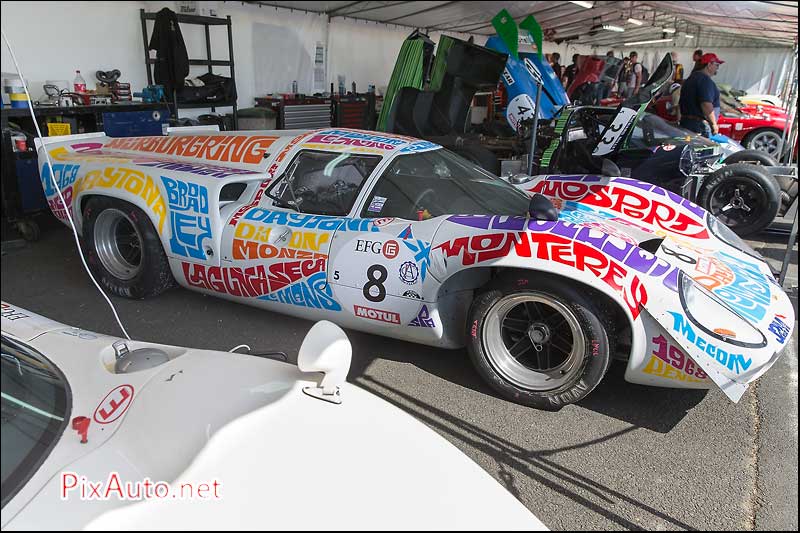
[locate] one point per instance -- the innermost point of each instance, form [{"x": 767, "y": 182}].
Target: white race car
[
  {"x": 101, "y": 433},
  {"x": 399, "y": 237}
]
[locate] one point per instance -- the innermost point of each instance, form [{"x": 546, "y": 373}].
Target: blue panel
[
  {"x": 135, "y": 123},
  {"x": 31, "y": 195},
  {"x": 518, "y": 79}
]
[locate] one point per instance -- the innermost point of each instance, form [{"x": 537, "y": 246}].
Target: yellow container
[{"x": 58, "y": 128}]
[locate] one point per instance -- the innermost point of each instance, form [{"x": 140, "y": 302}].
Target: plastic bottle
[{"x": 79, "y": 84}]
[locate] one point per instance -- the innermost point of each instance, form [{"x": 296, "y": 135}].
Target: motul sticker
[
  {"x": 114, "y": 404},
  {"x": 377, "y": 314}
]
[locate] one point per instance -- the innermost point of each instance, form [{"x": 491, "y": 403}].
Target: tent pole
[{"x": 791, "y": 100}]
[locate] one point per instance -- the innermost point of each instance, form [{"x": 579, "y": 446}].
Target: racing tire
[
  {"x": 741, "y": 196},
  {"x": 123, "y": 249},
  {"x": 574, "y": 334},
  {"x": 483, "y": 157},
  {"x": 755, "y": 157},
  {"x": 767, "y": 140}
]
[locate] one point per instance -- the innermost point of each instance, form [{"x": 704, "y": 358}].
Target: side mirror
[
  {"x": 519, "y": 179},
  {"x": 541, "y": 208},
  {"x": 326, "y": 349}
]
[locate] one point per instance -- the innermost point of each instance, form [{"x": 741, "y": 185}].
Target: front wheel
[
  {"x": 767, "y": 140},
  {"x": 544, "y": 345},
  {"x": 741, "y": 196},
  {"x": 123, "y": 249},
  {"x": 755, "y": 157}
]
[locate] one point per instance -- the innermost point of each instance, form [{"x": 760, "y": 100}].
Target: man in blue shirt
[{"x": 699, "y": 103}]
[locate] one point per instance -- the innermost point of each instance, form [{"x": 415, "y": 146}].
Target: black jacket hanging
[{"x": 172, "y": 61}]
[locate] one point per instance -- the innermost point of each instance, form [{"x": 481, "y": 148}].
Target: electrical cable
[{"x": 58, "y": 189}]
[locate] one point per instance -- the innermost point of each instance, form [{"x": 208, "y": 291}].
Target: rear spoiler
[{"x": 38, "y": 142}]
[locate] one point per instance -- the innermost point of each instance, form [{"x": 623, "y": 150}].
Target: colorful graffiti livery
[
  {"x": 355, "y": 139},
  {"x": 314, "y": 293},
  {"x": 779, "y": 328},
  {"x": 188, "y": 202},
  {"x": 299, "y": 220},
  {"x": 749, "y": 293},
  {"x": 250, "y": 282},
  {"x": 736, "y": 363},
  {"x": 231, "y": 148},
  {"x": 283, "y": 153},
  {"x": 617, "y": 246},
  {"x": 668, "y": 361},
  {"x": 133, "y": 181},
  {"x": 198, "y": 170},
  {"x": 629, "y": 203}
]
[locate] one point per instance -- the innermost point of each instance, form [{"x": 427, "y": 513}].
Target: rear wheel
[
  {"x": 545, "y": 346},
  {"x": 123, "y": 249},
  {"x": 741, "y": 196}
]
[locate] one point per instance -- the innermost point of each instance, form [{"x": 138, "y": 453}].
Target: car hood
[
  {"x": 710, "y": 289},
  {"x": 246, "y": 422}
]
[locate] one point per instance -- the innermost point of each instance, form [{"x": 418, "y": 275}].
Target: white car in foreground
[{"x": 178, "y": 438}]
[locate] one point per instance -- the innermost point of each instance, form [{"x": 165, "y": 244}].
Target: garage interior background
[{"x": 274, "y": 46}]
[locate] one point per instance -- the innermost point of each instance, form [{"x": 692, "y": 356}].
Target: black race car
[{"x": 745, "y": 190}]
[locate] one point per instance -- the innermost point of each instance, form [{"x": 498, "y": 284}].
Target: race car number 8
[{"x": 376, "y": 274}]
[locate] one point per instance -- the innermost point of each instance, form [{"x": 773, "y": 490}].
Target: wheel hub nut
[{"x": 538, "y": 333}]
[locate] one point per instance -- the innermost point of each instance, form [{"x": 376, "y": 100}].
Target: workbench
[{"x": 21, "y": 194}]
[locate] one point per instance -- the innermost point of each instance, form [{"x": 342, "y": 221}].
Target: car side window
[
  {"x": 323, "y": 183},
  {"x": 419, "y": 186}
]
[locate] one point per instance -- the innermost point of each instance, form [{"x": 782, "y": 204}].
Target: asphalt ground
[{"x": 628, "y": 457}]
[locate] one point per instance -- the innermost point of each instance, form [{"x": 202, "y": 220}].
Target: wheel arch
[
  {"x": 485, "y": 277},
  {"x": 160, "y": 223}
]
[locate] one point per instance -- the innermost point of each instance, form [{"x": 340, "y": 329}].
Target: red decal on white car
[{"x": 114, "y": 405}]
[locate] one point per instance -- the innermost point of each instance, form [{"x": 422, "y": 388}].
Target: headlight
[
  {"x": 715, "y": 318},
  {"x": 686, "y": 163},
  {"x": 726, "y": 235}
]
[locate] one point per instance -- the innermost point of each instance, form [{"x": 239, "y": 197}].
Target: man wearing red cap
[{"x": 699, "y": 103}]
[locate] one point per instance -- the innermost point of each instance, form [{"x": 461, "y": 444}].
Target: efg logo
[{"x": 390, "y": 249}]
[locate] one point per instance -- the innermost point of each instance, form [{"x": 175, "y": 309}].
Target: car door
[{"x": 277, "y": 249}]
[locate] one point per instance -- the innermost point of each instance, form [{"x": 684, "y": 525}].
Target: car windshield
[
  {"x": 438, "y": 182},
  {"x": 35, "y": 403},
  {"x": 323, "y": 183},
  {"x": 656, "y": 128}
]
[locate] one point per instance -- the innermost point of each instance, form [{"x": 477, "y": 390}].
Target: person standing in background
[
  {"x": 696, "y": 56},
  {"x": 555, "y": 57},
  {"x": 699, "y": 100},
  {"x": 677, "y": 72},
  {"x": 570, "y": 71},
  {"x": 635, "y": 76},
  {"x": 608, "y": 86},
  {"x": 622, "y": 79}
]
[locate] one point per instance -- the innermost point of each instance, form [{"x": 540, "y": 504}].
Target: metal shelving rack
[{"x": 206, "y": 22}]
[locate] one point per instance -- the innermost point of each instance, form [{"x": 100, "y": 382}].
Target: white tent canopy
[
  {"x": 277, "y": 46},
  {"x": 719, "y": 24}
]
